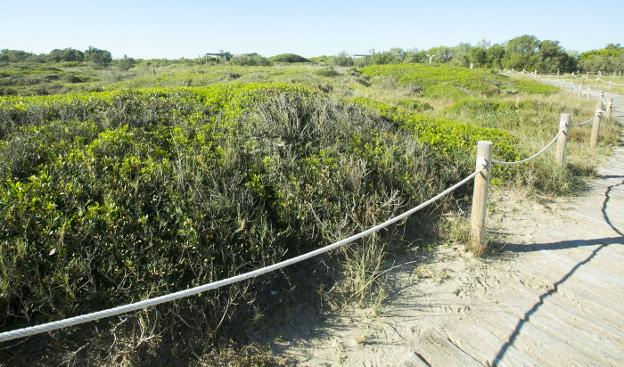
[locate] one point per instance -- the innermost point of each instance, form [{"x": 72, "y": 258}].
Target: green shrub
[
  {"x": 327, "y": 72},
  {"x": 342, "y": 59},
  {"x": 414, "y": 105},
  {"x": 252, "y": 59},
  {"x": 450, "y": 81},
  {"x": 101, "y": 58},
  {"x": 288, "y": 58},
  {"x": 450, "y": 138},
  {"x": 108, "y": 198}
]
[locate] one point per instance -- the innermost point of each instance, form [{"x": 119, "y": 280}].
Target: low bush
[
  {"x": 327, "y": 72},
  {"x": 252, "y": 59},
  {"x": 450, "y": 138},
  {"x": 288, "y": 58},
  {"x": 452, "y": 82},
  {"x": 108, "y": 198}
]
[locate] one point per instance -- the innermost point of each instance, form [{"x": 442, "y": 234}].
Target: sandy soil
[{"x": 553, "y": 297}]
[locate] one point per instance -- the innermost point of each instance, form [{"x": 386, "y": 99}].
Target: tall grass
[{"x": 534, "y": 122}]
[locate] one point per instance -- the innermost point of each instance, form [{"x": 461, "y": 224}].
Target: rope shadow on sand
[{"x": 604, "y": 242}]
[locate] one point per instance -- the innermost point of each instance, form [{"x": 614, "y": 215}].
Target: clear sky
[{"x": 184, "y": 28}]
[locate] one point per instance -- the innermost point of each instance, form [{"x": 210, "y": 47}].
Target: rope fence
[
  {"x": 76, "y": 320},
  {"x": 605, "y": 106},
  {"x": 573, "y": 76},
  {"x": 551, "y": 142},
  {"x": 478, "y": 217},
  {"x": 584, "y": 122}
]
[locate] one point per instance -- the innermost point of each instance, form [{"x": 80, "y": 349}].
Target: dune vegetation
[{"x": 167, "y": 177}]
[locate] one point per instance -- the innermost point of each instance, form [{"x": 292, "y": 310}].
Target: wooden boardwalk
[
  {"x": 554, "y": 298},
  {"x": 561, "y": 301}
]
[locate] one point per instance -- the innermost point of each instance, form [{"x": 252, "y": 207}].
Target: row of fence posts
[{"x": 478, "y": 217}]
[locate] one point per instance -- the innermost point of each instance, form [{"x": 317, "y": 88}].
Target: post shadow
[{"x": 604, "y": 242}]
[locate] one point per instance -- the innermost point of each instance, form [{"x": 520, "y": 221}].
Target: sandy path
[{"x": 555, "y": 297}]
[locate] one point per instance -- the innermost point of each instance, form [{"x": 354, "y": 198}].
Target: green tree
[
  {"x": 67, "y": 54},
  {"x": 495, "y": 55},
  {"x": 608, "y": 59},
  {"x": 478, "y": 56},
  {"x": 461, "y": 54},
  {"x": 442, "y": 54},
  {"x": 288, "y": 58},
  {"x": 392, "y": 56},
  {"x": 553, "y": 58},
  {"x": 522, "y": 52},
  {"x": 101, "y": 58},
  {"x": 127, "y": 63},
  {"x": 343, "y": 59},
  {"x": 416, "y": 56},
  {"x": 251, "y": 59},
  {"x": 17, "y": 56}
]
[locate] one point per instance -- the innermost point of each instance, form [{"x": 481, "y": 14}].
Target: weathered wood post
[
  {"x": 588, "y": 92},
  {"x": 560, "y": 150},
  {"x": 480, "y": 197},
  {"x": 609, "y": 110},
  {"x": 580, "y": 90},
  {"x": 593, "y": 140},
  {"x": 599, "y": 105}
]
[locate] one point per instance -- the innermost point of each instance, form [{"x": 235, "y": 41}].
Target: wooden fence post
[
  {"x": 593, "y": 140},
  {"x": 580, "y": 91},
  {"x": 560, "y": 150},
  {"x": 609, "y": 111},
  {"x": 599, "y": 105},
  {"x": 480, "y": 197},
  {"x": 588, "y": 92}
]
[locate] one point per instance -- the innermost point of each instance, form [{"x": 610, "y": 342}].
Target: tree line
[
  {"x": 523, "y": 52},
  {"x": 101, "y": 58}
]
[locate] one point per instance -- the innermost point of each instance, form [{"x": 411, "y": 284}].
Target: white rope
[
  {"x": 81, "y": 319},
  {"x": 610, "y": 82},
  {"x": 503, "y": 163},
  {"x": 585, "y": 122}
]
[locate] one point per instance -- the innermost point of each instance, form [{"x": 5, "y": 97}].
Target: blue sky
[{"x": 186, "y": 28}]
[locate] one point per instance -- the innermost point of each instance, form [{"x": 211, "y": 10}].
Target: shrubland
[
  {"x": 157, "y": 184},
  {"x": 451, "y": 82},
  {"x": 107, "y": 198}
]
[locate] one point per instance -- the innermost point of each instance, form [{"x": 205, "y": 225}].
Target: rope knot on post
[
  {"x": 481, "y": 163},
  {"x": 480, "y": 197},
  {"x": 595, "y": 133},
  {"x": 609, "y": 111},
  {"x": 562, "y": 138}
]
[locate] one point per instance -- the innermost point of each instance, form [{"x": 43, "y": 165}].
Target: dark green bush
[
  {"x": 328, "y": 72},
  {"x": 252, "y": 59},
  {"x": 288, "y": 58},
  {"x": 342, "y": 59}
]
